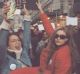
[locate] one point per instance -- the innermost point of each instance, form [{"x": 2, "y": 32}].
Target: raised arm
[
  {"x": 4, "y": 27},
  {"x": 26, "y": 34},
  {"x": 46, "y": 22}
]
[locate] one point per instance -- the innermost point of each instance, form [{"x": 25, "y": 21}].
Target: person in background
[
  {"x": 35, "y": 38},
  {"x": 16, "y": 50},
  {"x": 77, "y": 41},
  {"x": 41, "y": 44}
]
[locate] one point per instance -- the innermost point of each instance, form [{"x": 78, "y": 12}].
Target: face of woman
[
  {"x": 14, "y": 42},
  {"x": 60, "y": 38}
]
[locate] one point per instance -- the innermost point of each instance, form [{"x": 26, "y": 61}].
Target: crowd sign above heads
[{"x": 72, "y": 21}]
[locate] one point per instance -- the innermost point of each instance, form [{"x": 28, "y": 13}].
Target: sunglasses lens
[{"x": 60, "y": 36}]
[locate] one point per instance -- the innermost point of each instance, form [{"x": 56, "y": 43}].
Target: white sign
[
  {"x": 53, "y": 25},
  {"x": 40, "y": 27},
  {"x": 71, "y": 21}
]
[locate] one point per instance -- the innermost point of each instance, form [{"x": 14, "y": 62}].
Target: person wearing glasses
[
  {"x": 63, "y": 42},
  {"x": 57, "y": 56}
]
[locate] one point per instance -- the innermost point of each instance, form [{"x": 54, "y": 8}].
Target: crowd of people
[{"x": 27, "y": 51}]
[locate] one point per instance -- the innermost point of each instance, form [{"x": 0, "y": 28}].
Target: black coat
[{"x": 77, "y": 41}]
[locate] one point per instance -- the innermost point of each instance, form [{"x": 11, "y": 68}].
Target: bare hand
[
  {"x": 39, "y": 6},
  {"x": 25, "y": 11},
  {"x": 5, "y": 10}
]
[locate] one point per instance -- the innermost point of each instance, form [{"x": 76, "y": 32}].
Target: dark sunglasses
[{"x": 60, "y": 36}]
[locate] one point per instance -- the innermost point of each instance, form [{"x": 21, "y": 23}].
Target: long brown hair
[
  {"x": 52, "y": 46},
  {"x": 69, "y": 30}
]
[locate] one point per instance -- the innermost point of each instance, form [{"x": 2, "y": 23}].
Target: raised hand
[
  {"x": 5, "y": 10},
  {"x": 25, "y": 11},
  {"x": 39, "y": 5}
]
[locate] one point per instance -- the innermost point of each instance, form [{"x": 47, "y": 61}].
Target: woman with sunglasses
[{"x": 57, "y": 56}]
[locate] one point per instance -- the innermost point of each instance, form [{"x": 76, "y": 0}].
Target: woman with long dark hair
[{"x": 57, "y": 57}]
